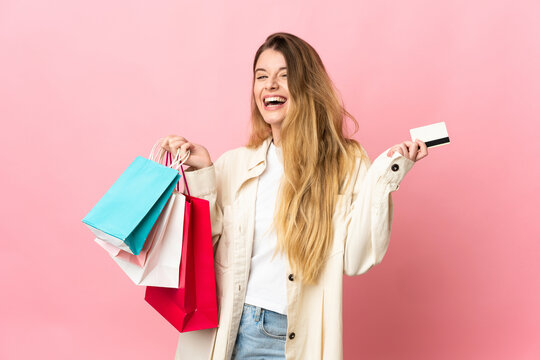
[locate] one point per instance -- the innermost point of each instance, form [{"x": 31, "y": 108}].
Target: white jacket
[{"x": 362, "y": 223}]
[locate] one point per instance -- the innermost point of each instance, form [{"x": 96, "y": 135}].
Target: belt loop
[{"x": 257, "y": 314}]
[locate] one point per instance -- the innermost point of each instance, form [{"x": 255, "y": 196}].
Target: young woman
[{"x": 291, "y": 212}]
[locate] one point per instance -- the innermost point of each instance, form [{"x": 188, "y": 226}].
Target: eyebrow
[{"x": 261, "y": 69}]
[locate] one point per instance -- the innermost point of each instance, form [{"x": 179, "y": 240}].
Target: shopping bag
[
  {"x": 124, "y": 216},
  {"x": 193, "y": 306},
  {"x": 159, "y": 261},
  {"x": 138, "y": 260}
]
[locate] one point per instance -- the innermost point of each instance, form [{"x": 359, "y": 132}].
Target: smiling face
[{"x": 270, "y": 87}]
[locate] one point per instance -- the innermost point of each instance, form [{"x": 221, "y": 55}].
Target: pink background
[{"x": 87, "y": 86}]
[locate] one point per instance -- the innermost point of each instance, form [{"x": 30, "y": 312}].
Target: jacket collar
[
  {"x": 258, "y": 155},
  {"x": 256, "y": 163}
]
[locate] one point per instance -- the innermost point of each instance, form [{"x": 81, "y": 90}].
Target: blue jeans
[{"x": 261, "y": 335}]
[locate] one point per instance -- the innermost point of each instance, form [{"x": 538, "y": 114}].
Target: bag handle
[
  {"x": 157, "y": 156},
  {"x": 179, "y": 166},
  {"x": 158, "y": 153}
]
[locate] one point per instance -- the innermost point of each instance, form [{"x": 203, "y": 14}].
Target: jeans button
[
  {"x": 395, "y": 167},
  {"x": 291, "y": 336},
  {"x": 291, "y": 277}
]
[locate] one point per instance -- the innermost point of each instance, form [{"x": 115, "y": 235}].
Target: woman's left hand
[{"x": 414, "y": 151}]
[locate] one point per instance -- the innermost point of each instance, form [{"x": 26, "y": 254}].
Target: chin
[{"x": 273, "y": 121}]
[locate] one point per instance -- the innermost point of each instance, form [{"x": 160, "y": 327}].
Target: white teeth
[{"x": 274, "y": 98}]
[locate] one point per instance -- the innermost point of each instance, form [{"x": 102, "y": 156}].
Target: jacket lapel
[{"x": 256, "y": 163}]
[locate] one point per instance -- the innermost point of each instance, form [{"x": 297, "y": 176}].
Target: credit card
[{"x": 433, "y": 135}]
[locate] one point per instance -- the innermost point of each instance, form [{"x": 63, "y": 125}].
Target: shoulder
[
  {"x": 360, "y": 155},
  {"x": 232, "y": 169},
  {"x": 243, "y": 157},
  {"x": 233, "y": 160},
  {"x": 359, "y": 164}
]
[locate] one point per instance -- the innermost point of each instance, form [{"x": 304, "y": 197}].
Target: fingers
[
  {"x": 181, "y": 153},
  {"x": 413, "y": 149},
  {"x": 397, "y": 148},
  {"x": 423, "y": 152},
  {"x": 403, "y": 150},
  {"x": 172, "y": 143}
]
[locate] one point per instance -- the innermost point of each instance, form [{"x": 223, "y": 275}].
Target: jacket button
[
  {"x": 291, "y": 277},
  {"x": 291, "y": 336},
  {"x": 395, "y": 167}
]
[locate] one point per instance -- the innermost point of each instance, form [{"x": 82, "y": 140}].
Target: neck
[{"x": 276, "y": 135}]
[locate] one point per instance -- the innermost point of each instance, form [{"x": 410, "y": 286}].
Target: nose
[{"x": 272, "y": 83}]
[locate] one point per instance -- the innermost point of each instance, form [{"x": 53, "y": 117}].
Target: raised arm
[{"x": 369, "y": 219}]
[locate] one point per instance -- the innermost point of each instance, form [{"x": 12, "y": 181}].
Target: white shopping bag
[{"x": 158, "y": 265}]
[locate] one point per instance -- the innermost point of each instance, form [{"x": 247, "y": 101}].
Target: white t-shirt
[{"x": 267, "y": 285}]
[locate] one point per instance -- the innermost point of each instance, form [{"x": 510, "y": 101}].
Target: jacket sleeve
[
  {"x": 369, "y": 218},
  {"x": 204, "y": 184}
]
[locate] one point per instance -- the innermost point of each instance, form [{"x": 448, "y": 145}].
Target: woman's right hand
[{"x": 199, "y": 157}]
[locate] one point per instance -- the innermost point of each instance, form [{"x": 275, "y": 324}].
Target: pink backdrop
[{"x": 87, "y": 86}]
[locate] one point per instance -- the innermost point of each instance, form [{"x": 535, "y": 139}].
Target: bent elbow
[{"x": 359, "y": 266}]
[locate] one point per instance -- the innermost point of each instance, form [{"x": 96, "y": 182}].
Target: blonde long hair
[{"x": 317, "y": 157}]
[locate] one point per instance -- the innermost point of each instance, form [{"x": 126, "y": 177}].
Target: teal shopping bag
[{"x": 124, "y": 216}]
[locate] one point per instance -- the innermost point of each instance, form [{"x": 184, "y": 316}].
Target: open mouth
[{"x": 273, "y": 102}]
